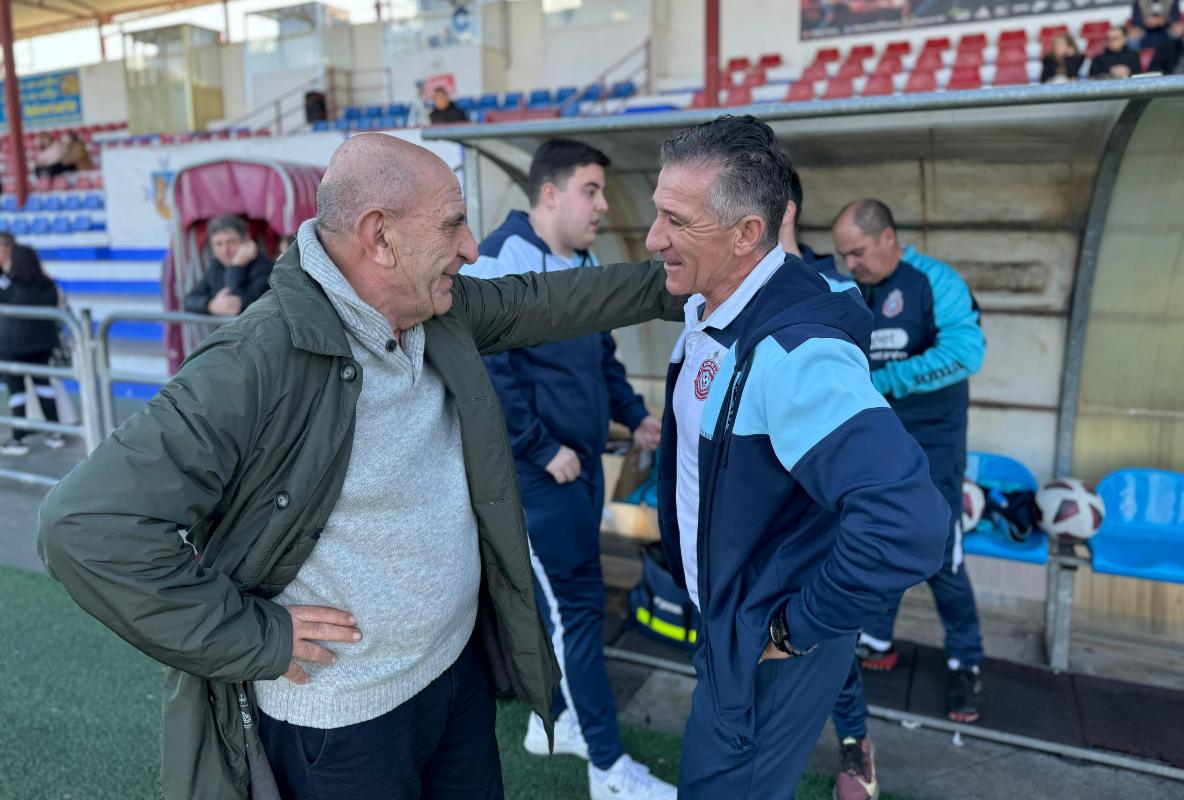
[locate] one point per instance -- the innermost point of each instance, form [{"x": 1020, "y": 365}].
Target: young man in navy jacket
[
  {"x": 791, "y": 499},
  {"x": 557, "y": 401},
  {"x": 926, "y": 343}
]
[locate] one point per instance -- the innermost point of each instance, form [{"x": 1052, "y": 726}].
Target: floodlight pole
[
  {"x": 711, "y": 80},
  {"x": 12, "y": 104}
]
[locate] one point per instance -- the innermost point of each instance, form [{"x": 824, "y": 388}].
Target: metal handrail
[
  {"x": 81, "y": 370},
  {"x": 108, "y": 376}
]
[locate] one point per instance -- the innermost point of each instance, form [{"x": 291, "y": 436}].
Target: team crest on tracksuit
[
  {"x": 707, "y": 373},
  {"x": 893, "y": 304}
]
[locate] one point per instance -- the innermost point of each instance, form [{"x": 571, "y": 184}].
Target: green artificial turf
[{"x": 80, "y": 713}]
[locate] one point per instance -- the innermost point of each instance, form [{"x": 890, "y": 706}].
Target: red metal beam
[
  {"x": 12, "y": 104},
  {"x": 711, "y": 80}
]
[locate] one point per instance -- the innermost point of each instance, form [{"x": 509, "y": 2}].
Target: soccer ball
[
  {"x": 1069, "y": 509},
  {"x": 973, "y": 503}
]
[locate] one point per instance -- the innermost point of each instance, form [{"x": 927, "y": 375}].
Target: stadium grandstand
[{"x": 130, "y": 126}]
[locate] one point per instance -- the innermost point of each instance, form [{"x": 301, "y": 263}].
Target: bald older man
[{"x": 315, "y": 524}]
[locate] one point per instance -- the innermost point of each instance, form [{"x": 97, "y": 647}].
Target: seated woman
[
  {"x": 77, "y": 159},
  {"x": 1063, "y": 60},
  {"x": 237, "y": 273}
]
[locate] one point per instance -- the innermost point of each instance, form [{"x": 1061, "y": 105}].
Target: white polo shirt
[{"x": 702, "y": 355}]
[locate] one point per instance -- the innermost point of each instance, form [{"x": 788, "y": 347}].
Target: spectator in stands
[
  {"x": 338, "y": 447},
  {"x": 779, "y": 549},
  {"x": 237, "y": 273},
  {"x": 1116, "y": 61},
  {"x": 557, "y": 400},
  {"x": 1063, "y": 60},
  {"x": 857, "y": 765},
  {"x": 24, "y": 283},
  {"x": 77, "y": 158},
  {"x": 1154, "y": 24},
  {"x": 445, "y": 110},
  {"x": 926, "y": 342},
  {"x": 50, "y": 154}
]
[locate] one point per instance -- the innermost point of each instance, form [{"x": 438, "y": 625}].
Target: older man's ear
[
  {"x": 750, "y": 233},
  {"x": 377, "y": 237}
]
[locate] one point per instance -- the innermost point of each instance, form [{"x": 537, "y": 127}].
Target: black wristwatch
[{"x": 779, "y": 636}]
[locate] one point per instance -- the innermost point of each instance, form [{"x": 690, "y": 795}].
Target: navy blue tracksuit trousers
[
  {"x": 792, "y": 699},
  {"x": 563, "y": 524}
]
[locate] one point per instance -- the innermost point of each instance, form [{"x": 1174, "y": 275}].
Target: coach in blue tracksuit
[
  {"x": 926, "y": 343},
  {"x": 791, "y": 499},
  {"x": 557, "y": 401}
]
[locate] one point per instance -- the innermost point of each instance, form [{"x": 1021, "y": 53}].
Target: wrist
[{"x": 782, "y": 637}]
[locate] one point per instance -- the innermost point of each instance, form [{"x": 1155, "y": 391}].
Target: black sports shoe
[
  {"x": 875, "y": 660},
  {"x": 964, "y": 697}
]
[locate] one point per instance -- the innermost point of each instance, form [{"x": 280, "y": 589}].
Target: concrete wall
[{"x": 104, "y": 95}]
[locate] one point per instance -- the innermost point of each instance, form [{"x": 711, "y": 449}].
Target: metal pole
[
  {"x": 12, "y": 103},
  {"x": 472, "y": 167},
  {"x": 225, "y": 21},
  {"x": 102, "y": 41},
  {"x": 87, "y": 390},
  {"x": 711, "y": 79}
]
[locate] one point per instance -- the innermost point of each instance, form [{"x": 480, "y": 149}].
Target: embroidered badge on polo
[
  {"x": 894, "y": 304},
  {"x": 707, "y": 372}
]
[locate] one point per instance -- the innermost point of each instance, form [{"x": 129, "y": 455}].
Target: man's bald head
[{"x": 374, "y": 170}]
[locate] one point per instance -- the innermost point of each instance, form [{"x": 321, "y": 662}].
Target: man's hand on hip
[
  {"x": 564, "y": 466},
  {"x": 772, "y": 653},
  {"x": 321, "y": 624}
]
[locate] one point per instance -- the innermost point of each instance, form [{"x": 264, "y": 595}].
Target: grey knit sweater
[{"x": 399, "y": 550}]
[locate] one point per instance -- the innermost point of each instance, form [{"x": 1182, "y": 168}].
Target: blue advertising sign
[{"x": 52, "y": 98}]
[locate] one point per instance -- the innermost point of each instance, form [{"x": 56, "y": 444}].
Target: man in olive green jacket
[{"x": 185, "y": 530}]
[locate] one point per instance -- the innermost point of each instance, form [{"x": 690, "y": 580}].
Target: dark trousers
[
  {"x": 17, "y": 397},
  {"x": 792, "y": 698},
  {"x": 563, "y": 523},
  {"x": 439, "y": 745},
  {"x": 850, "y": 712}
]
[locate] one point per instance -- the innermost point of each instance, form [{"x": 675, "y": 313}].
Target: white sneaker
[
  {"x": 568, "y": 738},
  {"x": 55, "y": 441},
  {"x": 627, "y": 780},
  {"x": 14, "y": 448}
]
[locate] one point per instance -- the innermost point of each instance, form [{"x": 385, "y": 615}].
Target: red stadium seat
[
  {"x": 1011, "y": 75},
  {"x": 699, "y": 100},
  {"x": 1048, "y": 32},
  {"x": 826, "y": 54},
  {"x": 861, "y": 51},
  {"x": 921, "y": 81},
  {"x": 898, "y": 49},
  {"x": 889, "y": 65},
  {"x": 839, "y": 89},
  {"x": 973, "y": 41},
  {"x": 969, "y": 58},
  {"x": 1095, "y": 30},
  {"x": 1011, "y": 55},
  {"x": 850, "y": 69},
  {"x": 878, "y": 85},
  {"x": 1094, "y": 47},
  {"x": 1013, "y": 37},
  {"x": 965, "y": 78},
  {"x": 770, "y": 61},
  {"x": 737, "y": 64},
  {"x": 938, "y": 43},
  {"x": 800, "y": 91},
  {"x": 754, "y": 78},
  {"x": 929, "y": 60},
  {"x": 738, "y": 96},
  {"x": 814, "y": 72}
]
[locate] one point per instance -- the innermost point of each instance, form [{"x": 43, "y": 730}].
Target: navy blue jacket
[
  {"x": 561, "y": 393},
  {"x": 812, "y": 497}
]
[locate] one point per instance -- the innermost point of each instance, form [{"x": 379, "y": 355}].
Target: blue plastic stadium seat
[
  {"x": 649, "y": 109},
  {"x": 621, "y": 90},
  {"x": 80, "y": 223},
  {"x": 61, "y": 225},
  {"x": 592, "y": 92},
  {"x": 72, "y": 203},
  {"x": 20, "y": 227},
  {"x": 40, "y": 225},
  {"x": 8, "y": 203},
  {"x": 342, "y": 124},
  {"x": 465, "y": 104},
  {"x": 398, "y": 109},
  {"x": 34, "y": 203},
  {"x": 93, "y": 202},
  {"x": 353, "y": 112},
  {"x": 4, "y": 224},
  {"x": 994, "y": 471},
  {"x": 539, "y": 98},
  {"x": 374, "y": 111},
  {"x": 1142, "y": 535},
  {"x": 53, "y": 203},
  {"x": 389, "y": 122},
  {"x": 564, "y": 93},
  {"x": 321, "y": 125},
  {"x": 512, "y": 100},
  {"x": 487, "y": 101}
]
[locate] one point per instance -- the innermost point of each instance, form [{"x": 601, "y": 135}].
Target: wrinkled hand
[
  {"x": 246, "y": 253},
  {"x": 564, "y": 467},
  {"x": 324, "y": 625},
  {"x": 225, "y": 304},
  {"x": 648, "y": 433},
  {"x": 772, "y": 653}
]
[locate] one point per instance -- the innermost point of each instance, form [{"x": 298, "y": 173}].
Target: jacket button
[
  {"x": 282, "y": 500},
  {"x": 349, "y": 372},
  {"x": 391, "y": 345}
]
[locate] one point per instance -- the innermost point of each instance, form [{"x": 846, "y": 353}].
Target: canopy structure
[{"x": 39, "y": 17}]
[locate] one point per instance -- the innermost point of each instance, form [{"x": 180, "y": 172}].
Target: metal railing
[
  {"x": 107, "y": 377},
  {"x": 81, "y": 369}
]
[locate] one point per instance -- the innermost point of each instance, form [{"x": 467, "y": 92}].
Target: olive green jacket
[{"x": 246, "y": 449}]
